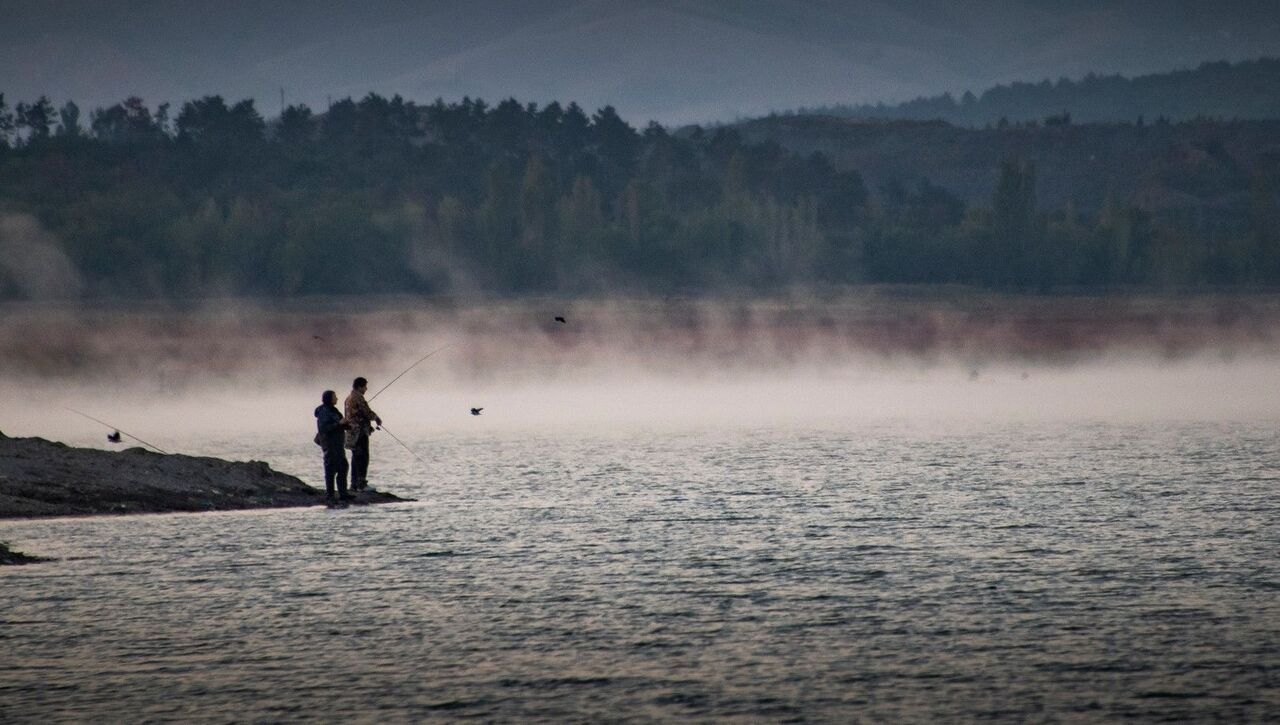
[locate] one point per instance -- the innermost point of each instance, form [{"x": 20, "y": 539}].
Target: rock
[
  {"x": 42, "y": 478},
  {"x": 9, "y": 557}
]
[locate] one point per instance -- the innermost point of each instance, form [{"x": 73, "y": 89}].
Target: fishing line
[
  {"x": 416, "y": 363},
  {"x": 406, "y": 370},
  {"x": 112, "y": 427},
  {"x": 402, "y": 445}
]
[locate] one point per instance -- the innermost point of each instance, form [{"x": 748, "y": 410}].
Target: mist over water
[
  {"x": 429, "y": 403},
  {"x": 663, "y": 364},
  {"x": 670, "y": 511}
]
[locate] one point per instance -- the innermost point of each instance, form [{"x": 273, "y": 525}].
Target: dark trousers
[
  {"x": 335, "y": 470},
  {"x": 360, "y": 462}
]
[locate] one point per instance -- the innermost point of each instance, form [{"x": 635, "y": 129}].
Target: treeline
[
  {"x": 1245, "y": 90},
  {"x": 385, "y": 195},
  {"x": 926, "y": 236},
  {"x": 1212, "y": 183}
]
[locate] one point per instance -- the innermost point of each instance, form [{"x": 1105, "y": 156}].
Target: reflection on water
[{"x": 1036, "y": 572}]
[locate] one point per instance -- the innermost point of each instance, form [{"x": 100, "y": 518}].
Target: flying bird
[
  {"x": 317, "y": 337},
  {"x": 113, "y": 437},
  {"x": 476, "y": 411},
  {"x": 561, "y": 320}
]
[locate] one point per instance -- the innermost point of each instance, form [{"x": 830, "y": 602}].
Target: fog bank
[{"x": 614, "y": 365}]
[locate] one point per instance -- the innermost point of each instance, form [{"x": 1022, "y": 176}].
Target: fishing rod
[
  {"x": 383, "y": 428},
  {"x": 112, "y": 427},
  {"x": 406, "y": 370}
]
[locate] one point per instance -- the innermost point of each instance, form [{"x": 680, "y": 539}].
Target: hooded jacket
[{"x": 329, "y": 426}]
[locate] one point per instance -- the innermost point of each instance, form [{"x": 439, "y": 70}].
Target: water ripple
[{"x": 1093, "y": 572}]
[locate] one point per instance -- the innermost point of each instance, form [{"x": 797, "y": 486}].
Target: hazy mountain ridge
[
  {"x": 1203, "y": 169},
  {"x": 670, "y": 60},
  {"x": 1246, "y": 90}
]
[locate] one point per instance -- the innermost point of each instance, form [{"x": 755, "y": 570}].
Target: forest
[{"x": 384, "y": 195}]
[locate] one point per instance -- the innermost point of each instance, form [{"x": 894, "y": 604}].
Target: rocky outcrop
[
  {"x": 45, "y": 478},
  {"x": 9, "y": 557}
]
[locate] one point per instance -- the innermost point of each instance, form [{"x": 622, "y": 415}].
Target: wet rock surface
[{"x": 45, "y": 478}]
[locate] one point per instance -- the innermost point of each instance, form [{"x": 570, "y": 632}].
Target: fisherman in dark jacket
[{"x": 331, "y": 430}]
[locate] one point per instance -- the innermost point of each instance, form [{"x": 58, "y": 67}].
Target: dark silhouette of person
[
  {"x": 360, "y": 419},
  {"x": 330, "y": 431}
]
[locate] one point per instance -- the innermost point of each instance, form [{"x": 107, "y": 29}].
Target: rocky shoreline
[{"x": 41, "y": 478}]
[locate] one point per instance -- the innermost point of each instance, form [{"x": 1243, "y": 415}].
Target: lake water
[{"x": 888, "y": 571}]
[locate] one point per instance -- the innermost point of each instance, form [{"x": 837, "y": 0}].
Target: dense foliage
[
  {"x": 383, "y": 195},
  {"x": 1250, "y": 89}
]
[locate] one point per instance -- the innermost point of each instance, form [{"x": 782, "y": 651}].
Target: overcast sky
[{"x": 669, "y": 60}]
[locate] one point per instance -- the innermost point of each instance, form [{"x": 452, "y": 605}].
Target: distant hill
[
  {"x": 674, "y": 61},
  {"x": 1246, "y": 90},
  {"x": 1201, "y": 169}
]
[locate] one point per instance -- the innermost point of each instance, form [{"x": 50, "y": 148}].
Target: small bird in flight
[
  {"x": 476, "y": 411},
  {"x": 113, "y": 437},
  {"x": 317, "y": 337},
  {"x": 561, "y": 320}
]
